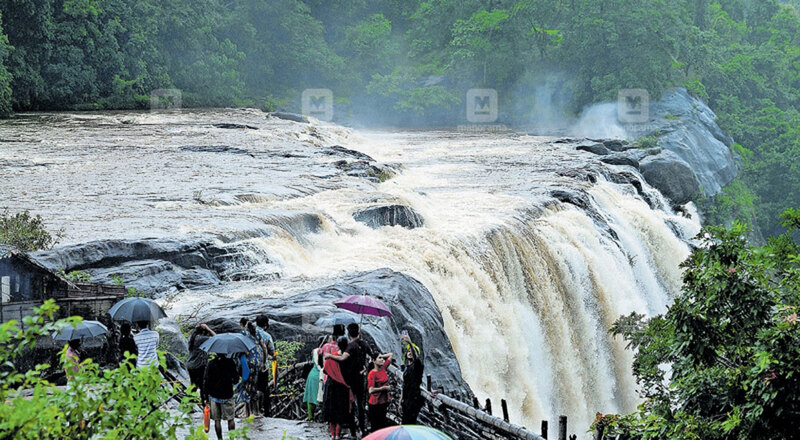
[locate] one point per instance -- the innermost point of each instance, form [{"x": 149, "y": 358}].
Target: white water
[
  {"x": 527, "y": 287},
  {"x": 527, "y": 299}
]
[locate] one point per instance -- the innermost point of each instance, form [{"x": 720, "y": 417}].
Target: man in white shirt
[{"x": 146, "y": 343}]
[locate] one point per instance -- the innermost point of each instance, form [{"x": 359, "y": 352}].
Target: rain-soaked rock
[
  {"x": 413, "y": 308},
  {"x": 171, "y": 337},
  {"x": 620, "y": 159},
  {"x": 230, "y": 126},
  {"x": 672, "y": 176},
  {"x": 594, "y": 148},
  {"x": 389, "y": 215},
  {"x": 290, "y": 116},
  {"x": 615, "y": 144}
]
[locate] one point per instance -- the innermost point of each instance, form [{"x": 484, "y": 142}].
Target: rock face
[
  {"x": 594, "y": 148},
  {"x": 672, "y": 176},
  {"x": 688, "y": 128},
  {"x": 413, "y": 308},
  {"x": 621, "y": 159},
  {"x": 389, "y": 215},
  {"x": 171, "y": 337}
]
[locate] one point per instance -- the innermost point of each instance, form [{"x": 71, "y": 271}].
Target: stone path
[{"x": 272, "y": 429}]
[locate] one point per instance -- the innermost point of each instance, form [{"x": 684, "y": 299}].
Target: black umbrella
[
  {"x": 228, "y": 343},
  {"x": 85, "y": 329},
  {"x": 137, "y": 309}
]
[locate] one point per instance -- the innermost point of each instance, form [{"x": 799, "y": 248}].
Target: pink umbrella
[{"x": 364, "y": 305}]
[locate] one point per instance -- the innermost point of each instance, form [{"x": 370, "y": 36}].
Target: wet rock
[
  {"x": 594, "y": 148},
  {"x": 389, "y": 215},
  {"x": 584, "y": 174},
  {"x": 413, "y": 308},
  {"x": 214, "y": 149},
  {"x": 338, "y": 150},
  {"x": 687, "y": 127},
  {"x": 171, "y": 337},
  {"x": 615, "y": 144},
  {"x": 620, "y": 159},
  {"x": 373, "y": 172},
  {"x": 229, "y": 126},
  {"x": 290, "y": 116},
  {"x": 672, "y": 176}
]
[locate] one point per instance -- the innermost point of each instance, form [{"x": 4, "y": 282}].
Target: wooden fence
[{"x": 462, "y": 421}]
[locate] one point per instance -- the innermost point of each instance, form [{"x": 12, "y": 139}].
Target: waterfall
[{"x": 527, "y": 292}]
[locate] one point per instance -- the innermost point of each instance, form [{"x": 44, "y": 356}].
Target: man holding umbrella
[
  {"x": 146, "y": 344},
  {"x": 220, "y": 378}
]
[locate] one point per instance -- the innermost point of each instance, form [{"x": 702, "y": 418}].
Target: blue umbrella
[
  {"x": 137, "y": 309},
  {"x": 341, "y": 317},
  {"x": 85, "y": 329},
  {"x": 228, "y": 343}
]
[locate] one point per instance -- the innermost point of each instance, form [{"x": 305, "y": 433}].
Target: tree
[
  {"x": 26, "y": 232},
  {"x": 5, "y": 76},
  {"x": 724, "y": 361}
]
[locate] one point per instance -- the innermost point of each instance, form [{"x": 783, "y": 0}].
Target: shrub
[{"x": 26, "y": 232}]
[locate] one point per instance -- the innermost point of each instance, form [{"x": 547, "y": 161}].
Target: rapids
[{"x": 527, "y": 285}]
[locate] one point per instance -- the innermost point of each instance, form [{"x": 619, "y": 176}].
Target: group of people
[
  {"x": 347, "y": 377},
  {"x": 143, "y": 345},
  {"x": 225, "y": 381}
]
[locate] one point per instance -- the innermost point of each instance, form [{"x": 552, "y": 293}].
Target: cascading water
[{"x": 527, "y": 286}]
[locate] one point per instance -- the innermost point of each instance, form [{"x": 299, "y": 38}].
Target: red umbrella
[{"x": 364, "y": 305}]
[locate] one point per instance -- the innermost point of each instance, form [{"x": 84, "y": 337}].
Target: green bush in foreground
[
  {"x": 122, "y": 403},
  {"x": 724, "y": 361}
]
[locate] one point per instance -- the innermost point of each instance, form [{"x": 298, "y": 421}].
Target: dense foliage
[
  {"x": 724, "y": 361},
  {"x": 115, "y": 403},
  {"x": 25, "y": 232},
  {"x": 410, "y": 61}
]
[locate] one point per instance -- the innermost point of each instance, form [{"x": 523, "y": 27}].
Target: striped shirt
[{"x": 146, "y": 343}]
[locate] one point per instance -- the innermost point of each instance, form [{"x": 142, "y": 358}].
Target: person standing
[
  {"x": 146, "y": 345},
  {"x": 196, "y": 363},
  {"x": 268, "y": 347},
  {"x": 126, "y": 343},
  {"x": 218, "y": 382},
  {"x": 72, "y": 357},
  {"x": 337, "y": 401},
  {"x": 246, "y": 390},
  {"x": 378, "y": 388},
  {"x": 313, "y": 391},
  {"x": 354, "y": 363},
  {"x": 411, "y": 401}
]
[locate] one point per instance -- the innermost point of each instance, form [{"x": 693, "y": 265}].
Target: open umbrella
[
  {"x": 137, "y": 309},
  {"x": 363, "y": 305},
  {"x": 228, "y": 343},
  {"x": 408, "y": 432},
  {"x": 341, "y": 317},
  {"x": 85, "y": 329}
]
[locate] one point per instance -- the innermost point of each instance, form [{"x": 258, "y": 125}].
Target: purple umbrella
[{"x": 364, "y": 305}]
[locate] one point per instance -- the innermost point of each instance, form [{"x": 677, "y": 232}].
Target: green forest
[{"x": 408, "y": 62}]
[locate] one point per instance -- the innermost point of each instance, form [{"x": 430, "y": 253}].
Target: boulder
[
  {"x": 292, "y": 318},
  {"x": 621, "y": 159},
  {"x": 594, "y": 148},
  {"x": 615, "y": 144},
  {"x": 171, "y": 337},
  {"x": 687, "y": 127},
  {"x": 672, "y": 176},
  {"x": 290, "y": 117},
  {"x": 389, "y": 215},
  {"x": 230, "y": 126}
]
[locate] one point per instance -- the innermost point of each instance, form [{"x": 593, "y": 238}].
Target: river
[{"x": 527, "y": 285}]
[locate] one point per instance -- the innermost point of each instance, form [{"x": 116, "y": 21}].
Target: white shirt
[{"x": 146, "y": 343}]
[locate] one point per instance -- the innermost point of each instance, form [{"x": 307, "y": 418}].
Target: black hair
[
  {"x": 75, "y": 344},
  {"x": 142, "y": 324},
  {"x": 352, "y": 330},
  {"x": 125, "y": 329},
  {"x": 342, "y": 343},
  {"x": 251, "y": 328},
  {"x": 243, "y": 322},
  {"x": 262, "y": 321},
  {"x": 338, "y": 330}
]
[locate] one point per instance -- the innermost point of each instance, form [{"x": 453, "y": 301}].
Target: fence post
[
  {"x": 544, "y": 429},
  {"x": 562, "y": 427},
  {"x": 429, "y": 383},
  {"x": 488, "y": 406},
  {"x": 504, "y": 406}
]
